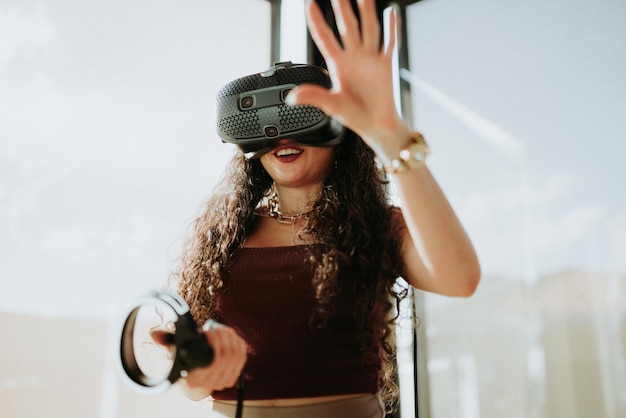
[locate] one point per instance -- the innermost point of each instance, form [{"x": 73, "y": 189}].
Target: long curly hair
[{"x": 352, "y": 222}]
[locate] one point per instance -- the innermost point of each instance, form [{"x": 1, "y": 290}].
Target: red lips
[{"x": 287, "y": 152}]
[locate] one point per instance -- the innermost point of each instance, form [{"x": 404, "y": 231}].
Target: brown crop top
[{"x": 267, "y": 298}]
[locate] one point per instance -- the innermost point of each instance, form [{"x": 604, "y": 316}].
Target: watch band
[{"x": 413, "y": 156}]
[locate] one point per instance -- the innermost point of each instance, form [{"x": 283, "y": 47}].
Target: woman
[{"x": 294, "y": 259}]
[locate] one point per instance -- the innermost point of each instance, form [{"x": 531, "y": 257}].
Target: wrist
[
  {"x": 387, "y": 136},
  {"x": 410, "y": 157},
  {"x": 194, "y": 394}
]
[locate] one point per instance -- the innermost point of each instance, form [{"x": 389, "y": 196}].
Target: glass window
[{"x": 522, "y": 104}]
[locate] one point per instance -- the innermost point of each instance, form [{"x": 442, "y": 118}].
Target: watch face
[
  {"x": 411, "y": 157},
  {"x": 416, "y": 152}
]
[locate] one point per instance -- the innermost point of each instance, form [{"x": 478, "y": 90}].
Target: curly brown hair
[{"x": 351, "y": 220}]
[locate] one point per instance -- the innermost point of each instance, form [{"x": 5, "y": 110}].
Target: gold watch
[{"x": 411, "y": 157}]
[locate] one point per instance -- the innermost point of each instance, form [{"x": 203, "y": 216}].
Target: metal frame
[{"x": 275, "y": 23}]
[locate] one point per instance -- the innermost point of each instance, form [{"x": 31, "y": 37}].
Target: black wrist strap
[{"x": 239, "y": 397}]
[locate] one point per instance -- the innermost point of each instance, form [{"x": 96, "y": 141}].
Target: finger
[
  {"x": 161, "y": 337},
  {"x": 370, "y": 25},
  {"x": 230, "y": 354},
  {"x": 347, "y": 23},
  {"x": 237, "y": 355},
  {"x": 215, "y": 371},
  {"x": 321, "y": 33},
  {"x": 313, "y": 95}
]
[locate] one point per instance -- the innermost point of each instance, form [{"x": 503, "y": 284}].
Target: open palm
[{"x": 360, "y": 69}]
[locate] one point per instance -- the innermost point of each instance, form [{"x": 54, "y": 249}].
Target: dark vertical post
[
  {"x": 406, "y": 102},
  {"x": 420, "y": 371},
  {"x": 313, "y": 54},
  {"x": 420, "y": 346},
  {"x": 275, "y": 31}
]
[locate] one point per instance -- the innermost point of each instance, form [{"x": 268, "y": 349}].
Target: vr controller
[
  {"x": 146, "y": 368},
  {"x": 252, "y": 114}
]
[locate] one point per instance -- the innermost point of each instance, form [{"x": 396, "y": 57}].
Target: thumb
[{"x": 161, "y": 337}]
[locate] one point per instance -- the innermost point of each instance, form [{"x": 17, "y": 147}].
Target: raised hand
[{"x": 361, "y": 71}]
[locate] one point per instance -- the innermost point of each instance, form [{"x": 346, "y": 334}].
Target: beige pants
[{"x": 370, "y": 406}]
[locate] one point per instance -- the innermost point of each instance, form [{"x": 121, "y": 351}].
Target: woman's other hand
[{"x": 230, "y": 354}]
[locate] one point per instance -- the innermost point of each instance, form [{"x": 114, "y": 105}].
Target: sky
[{"x": 108, "y": 147}]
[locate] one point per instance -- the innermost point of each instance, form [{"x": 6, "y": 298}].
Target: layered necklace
[{"x": 273, "y": 211}]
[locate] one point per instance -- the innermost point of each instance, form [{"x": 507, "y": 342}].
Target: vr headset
[{"x": 252, "y": 114}]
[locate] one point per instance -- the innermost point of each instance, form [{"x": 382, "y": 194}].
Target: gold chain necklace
[
  {"x": 274, "y": 212},
  {"x": 288, "y": 220}
]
